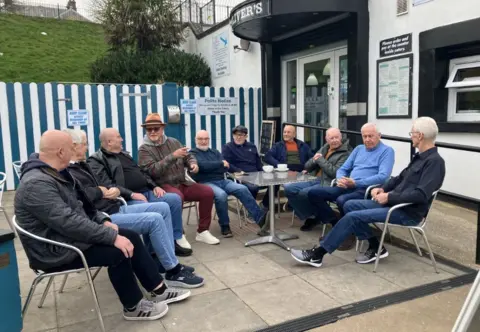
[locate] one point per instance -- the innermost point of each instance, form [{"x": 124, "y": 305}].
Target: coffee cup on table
[
  {"x": 282, "y": 167},
  {"x": 268, "y": 168}
]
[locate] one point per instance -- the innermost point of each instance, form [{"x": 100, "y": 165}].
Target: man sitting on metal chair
[
  {"x": 212, "y": 168},
  {"x": 324, "y": 164},
  {"x": 48, "y": 205},
  {"x": 152, "y": 220},
  {"x": 415, "y": 184}
]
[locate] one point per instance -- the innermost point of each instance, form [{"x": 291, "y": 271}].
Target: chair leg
[
  {"x": 324, "y": 229},
  {"x": 188, "y": 215},
  {"x": 95, "y": 298},
  {"x": 293, "y": 217},
  {"x": 96, "y": 273},
  {"x": 238, "y": 213},
  {"x": 196, "y": 212},
  {"x": 35, "y": 282},
  {"x": 385, "y": 229},
  {"x": 415, "y": 241},
  {"x": 64, "y": 281},
  {"x": 49, "y": 284},
  {"x": 434, "y": 262}
]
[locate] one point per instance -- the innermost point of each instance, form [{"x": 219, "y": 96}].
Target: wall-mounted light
[
  {"x": 312, "y": 80},
  {"x": 244, "y": 46}
]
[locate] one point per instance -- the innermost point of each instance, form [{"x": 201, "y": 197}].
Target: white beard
[{"x": 203, "y": 148}]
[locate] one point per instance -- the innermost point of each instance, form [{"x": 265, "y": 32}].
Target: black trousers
[{"x": 122, "y": 270}]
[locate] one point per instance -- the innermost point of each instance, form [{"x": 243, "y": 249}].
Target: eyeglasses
[
  {"x": 203, "y": 139},
  {"x": 240, "y": 135},
  {"x": 153, "y": 129},
  {"x": 412, "y": 133}
]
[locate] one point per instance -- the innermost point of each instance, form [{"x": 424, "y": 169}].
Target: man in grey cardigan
[{"x": 324, "y": 165}]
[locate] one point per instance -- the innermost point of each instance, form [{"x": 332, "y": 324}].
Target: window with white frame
[{"x": 464, "y": 90}]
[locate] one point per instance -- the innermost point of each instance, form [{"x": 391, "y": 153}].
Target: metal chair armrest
[
  {"x": 121, "y": 199},
  {"x": 393, "y": 208},
  {"x": 370, "y": 188},
  {"x": 333, "y": 183}
]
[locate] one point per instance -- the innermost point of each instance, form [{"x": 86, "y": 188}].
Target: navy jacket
[
  {"x": 210, "y": 165},
  {"x": 242, "y": 157},
  {"x": 278, "y": 155}
]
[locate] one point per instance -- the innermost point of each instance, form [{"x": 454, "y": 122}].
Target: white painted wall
[
  {"x": 245, "y": 69},
  {"x": 461, "y": 175}
]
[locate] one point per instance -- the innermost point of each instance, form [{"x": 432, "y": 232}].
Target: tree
[{"x": 143, "y": 25}]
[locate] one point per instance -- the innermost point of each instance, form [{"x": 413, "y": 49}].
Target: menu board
[
  {"x": 394, "y": 87},
  {"x": 267, "y": 136}
]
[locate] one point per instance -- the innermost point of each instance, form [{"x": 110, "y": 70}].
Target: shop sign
[{"x": 250, "y": 11}]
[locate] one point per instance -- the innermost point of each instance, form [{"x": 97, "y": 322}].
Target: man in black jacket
[
  {"x": 415, "y": 185},
  {"x": 113, "y": 166},
  {"x": 47, "y": 204},
  {"x": 152, "y": 220}
]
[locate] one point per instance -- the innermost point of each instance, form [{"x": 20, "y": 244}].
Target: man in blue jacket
[
  {"x": 242, "y": 156},
  {"x": 212, "y": 168},
  {"x": 290, "y": 151}
]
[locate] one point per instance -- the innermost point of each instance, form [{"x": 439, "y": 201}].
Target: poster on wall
[
  {"x": 419, "y": 2},
  {"x": 221, "y": 54},
  {"x": 396, "y": 45},
  {"x": 394, "y": 87},
  {"x": 77, "y": 118},
  {"x": 218, "y": 106}
]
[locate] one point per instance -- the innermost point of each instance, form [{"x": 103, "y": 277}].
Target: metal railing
[
  {"x": 206, "y": 14},
  {"x": 458, "y": 147}
]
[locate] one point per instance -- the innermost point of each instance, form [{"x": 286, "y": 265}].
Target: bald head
[
  {"x": 333, "y": 136},
  {"x": 289, "y": 133},
  {"x": 56, "y": 149},
  {"x": 202, "y": 140},
  {"x": 202, "y": 134},
  {"x": 111, "y": 140}
]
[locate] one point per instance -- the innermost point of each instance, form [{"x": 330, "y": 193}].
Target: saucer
[{"x": 281, "y": 170}]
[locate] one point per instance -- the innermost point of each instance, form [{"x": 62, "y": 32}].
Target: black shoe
[
  {"x": 309, "y": 256},
  {"x": 187, "y": 268},
  {"x": 371, "y": 255},
  {"x": 309, "y": 224},
  {"x": 182, "y": 252},
  {"x": 226, "y": 231}
]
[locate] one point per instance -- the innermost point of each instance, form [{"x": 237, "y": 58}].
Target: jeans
[
  {"x": 154, "y": 222},
  {"x": 175, "y": 204},
  {"x": 266, "y": 198},
  {"x": 359, "y": 214},
  {"x": 222, "y": 189},
  {"x": 122, "y": 270},
  {"x": 297, "y": 194},
  {"x": 196, "y": 193},
  {"x": 254, "y": 189},
  {"x": 319, "y": 196}
]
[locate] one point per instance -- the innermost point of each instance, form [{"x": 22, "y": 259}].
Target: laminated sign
[
  {"x": 77, "y": 118},
  {"x": 218, "y": 106}
]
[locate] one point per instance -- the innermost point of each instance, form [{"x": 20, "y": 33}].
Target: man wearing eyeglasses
[{"x": 165, "y": 160}]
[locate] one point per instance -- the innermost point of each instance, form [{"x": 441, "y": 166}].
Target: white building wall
[
  {"x": 245, "y": 68},
  {"x": 384, "y": 23}
]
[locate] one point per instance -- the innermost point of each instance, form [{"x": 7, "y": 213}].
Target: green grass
[{"x": 63, "y": 55}]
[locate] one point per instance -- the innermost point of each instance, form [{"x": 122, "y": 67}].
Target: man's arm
[
  {"x": 270, "y": 156},
  {"x": 392, "y": 183},
  {"x": 190, "y": 160},
  {"x": 431, "y": 180},
  {"x": 346, "y": 168},
  {"x": 387, "y": 159},
  {"x": 330, "y": 168},
  {"x": 228, "y": 155},
  {"x": 149, "y": 163},
  {"x": 54, "y": 212},
  {"x": 101, "y": 174}
]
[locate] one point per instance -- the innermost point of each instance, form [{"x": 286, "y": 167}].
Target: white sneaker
[
  {"x": 207, "y": 237},
  {"x": 183, "y": 242}
]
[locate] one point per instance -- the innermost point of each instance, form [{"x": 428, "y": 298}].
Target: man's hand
[
  {"x": 124, "y": 244},
  {"x": 109, "y": 224},
  {"x": 112, "y": 193},
  {"x": 180, "y": 153},
  {"x": 194, "y": 168},
  {"x": 139, "y": 197},
  {"x": 226, "y": 164},
  {"x": 304, "y": 171},
  {"x": 159, "y": 192},
  {"x": 317, "y": 155},
  {"x": 376, "y": 191},
  {"x": 104, "y": 190},
  {"x": 381, "y": 198}
]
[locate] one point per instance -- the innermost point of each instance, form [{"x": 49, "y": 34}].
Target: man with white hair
[
  {"x": 152, "y": 220},
  {"x": 415, "y": 184},
  {"x": 369, "y": 163}
]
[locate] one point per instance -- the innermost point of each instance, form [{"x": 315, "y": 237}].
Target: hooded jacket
[
  {"x": 52, "y": 205},
  {"x": 278, "y": 155},
  {"x": 158, "y": 161}
]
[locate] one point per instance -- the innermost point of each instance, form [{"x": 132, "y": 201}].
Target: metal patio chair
[{"x": 3, "y": 180}]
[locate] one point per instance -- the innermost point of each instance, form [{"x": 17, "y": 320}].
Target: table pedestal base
[{"x": 275, "y": 239}]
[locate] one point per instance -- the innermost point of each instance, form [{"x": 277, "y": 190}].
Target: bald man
[
  {"x": 290, "y": 151},
  {"x": 51, "y": 204},
  {"x": 211, "y": 171},
  {"x": 113, "y": 166},
  {"x": 324, "y": 165}
]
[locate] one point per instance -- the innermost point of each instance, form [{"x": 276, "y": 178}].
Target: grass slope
[{"x": 63, "y": 55}]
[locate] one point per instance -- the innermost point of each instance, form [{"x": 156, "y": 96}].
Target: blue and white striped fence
[{"x": 29, "y": 109}]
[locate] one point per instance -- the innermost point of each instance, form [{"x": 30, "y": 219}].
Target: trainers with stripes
[
  {"x": 146, "y": 310},
  {"x": 170, "y": 295}
]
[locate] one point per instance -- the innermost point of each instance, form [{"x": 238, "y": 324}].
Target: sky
[{"x": 85, "y": 4}]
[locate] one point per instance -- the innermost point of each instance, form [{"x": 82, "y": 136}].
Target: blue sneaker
[
  {"x": 184, "y": 279},
  {"x": 187, "y": 268}
]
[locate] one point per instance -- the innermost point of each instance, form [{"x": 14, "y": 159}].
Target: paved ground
[{"x": 250, "y": 288}]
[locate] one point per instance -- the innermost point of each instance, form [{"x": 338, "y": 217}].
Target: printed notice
[
  {"x": 221, "y": 55},
  {"x": 218, "y": 106},
  {"x": 188, "y": 106},
  {"x": 394, "y": 87},
  {"x": 77, "y": 118}
]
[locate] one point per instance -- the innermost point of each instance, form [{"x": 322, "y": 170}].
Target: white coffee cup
[
  {"x": 282, "y": 167},
  {"x": 267, "y": 168}
]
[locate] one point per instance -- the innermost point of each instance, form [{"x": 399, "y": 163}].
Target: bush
[{"x": 153, "y": 67}]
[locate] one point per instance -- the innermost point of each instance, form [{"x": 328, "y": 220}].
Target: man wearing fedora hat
[{"x": 164, "y": 159}]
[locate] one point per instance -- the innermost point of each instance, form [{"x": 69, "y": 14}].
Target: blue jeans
[
  {"x": 297, "y": 194},
  {"x": 222, "y": 189},
  {"x": 319, "y": 196},
  {"x": 359, "y": 213},
  {"x": 154, "y": 222},
  {"x": 174, "y": 202}
]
